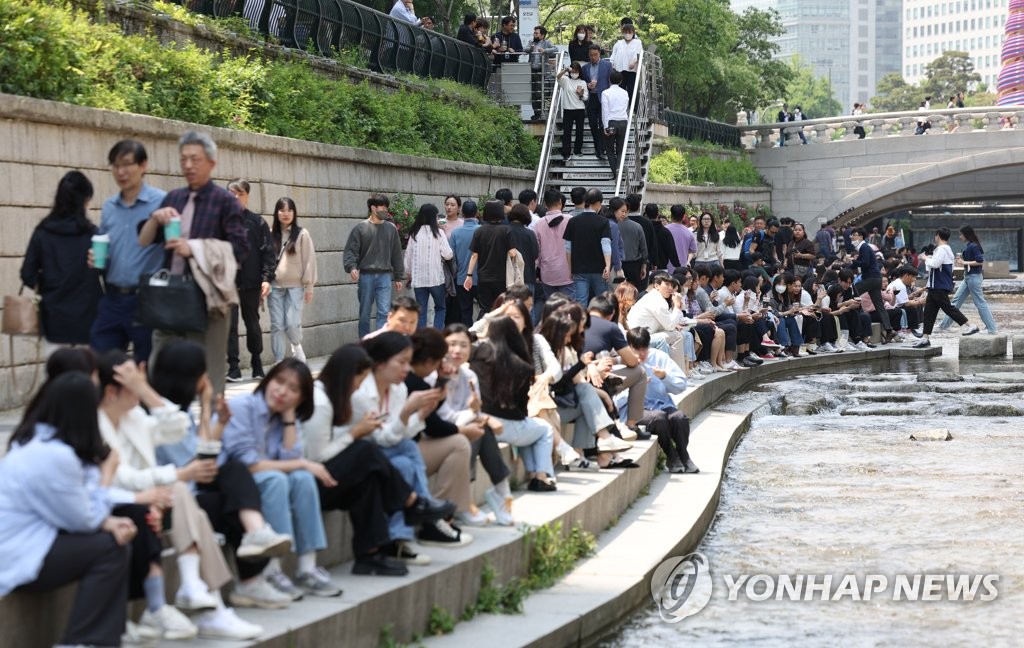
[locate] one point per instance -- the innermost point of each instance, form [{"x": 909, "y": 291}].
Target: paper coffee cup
[
  {"x": 208, "y": 449},
  {"x": 172, "y": 230},
  {"x": 100, "y": 247}
]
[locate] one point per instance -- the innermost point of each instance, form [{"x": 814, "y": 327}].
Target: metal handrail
[
  {"x": 692, "y": 127},
  {"x": 389, "y": 45},
  {"x": 638, "y": 114},
  {"x": 549, "y": 132}
]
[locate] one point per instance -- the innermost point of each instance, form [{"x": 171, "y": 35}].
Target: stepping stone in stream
[
  {"x": 983, "y": 346},
  {"x": 934, "y": 434}
]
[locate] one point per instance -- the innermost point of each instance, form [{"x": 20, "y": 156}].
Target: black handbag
[
  {"x": 169, "y": 302},
  {"x": 568, "y": 400}
]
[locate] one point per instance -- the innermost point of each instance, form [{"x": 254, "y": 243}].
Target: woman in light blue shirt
[
  {"x": 263, "y": 434},
  {"x": 55, "y": 522}
]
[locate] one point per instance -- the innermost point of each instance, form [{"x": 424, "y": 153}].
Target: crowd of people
[{"x": 564, "y": 330}]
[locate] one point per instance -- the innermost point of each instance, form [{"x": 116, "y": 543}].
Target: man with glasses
[{"x": 120, "y": 219}]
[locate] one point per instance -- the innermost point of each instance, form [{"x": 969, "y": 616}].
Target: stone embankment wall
[
  {"x": 665, "y": 195},
  {"x": 42, "y": 140}
]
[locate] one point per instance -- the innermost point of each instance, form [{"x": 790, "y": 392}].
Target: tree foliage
[
  {"x": 950, "y": 73},
  {"x": 812, "y": 93}
]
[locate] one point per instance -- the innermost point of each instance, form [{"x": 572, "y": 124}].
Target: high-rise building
[
  {"x": 853, "y": 43},
  {"x": 973, "y": 26}
]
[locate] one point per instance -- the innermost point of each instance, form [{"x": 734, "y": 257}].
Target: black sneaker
[
  {"x": 753, "y": 358},
  {"x": 377, "y": 564},
  {"x": 747, "y": 362},
  {"x": 424, "y": 511},
  {"x": 541, "y": 486},
  {"x": 399, "y": 550},
  {"x": 235, "y": 375},
  {"x": 443, "y": 534}
]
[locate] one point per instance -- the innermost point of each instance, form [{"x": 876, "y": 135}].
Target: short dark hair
[
  {"x": 732, "y": 276},
  {"x": 593, "y": 47},
  {"x": 660, "y": 278},
  {"x": 507, "y": 19},
  {"x": 845, "y": 275},
  {"x": 638, "y": 338},
  {"x": 577, "y": 195},
  {"x": 542, "y": 29},
  {"x": 943, "y": 233},
  {"x": 553, "y": 198},
  {"x": 594, "y": 197},
  {"x": 504, "y": 195},
  {"x": 428, "y": 344},
  {"x": 377, "y": 200},
  {"x": 404, "y": 303},
  {"x": 305, "y": 409},
  {"x": 615, "y": 78},
  {"x": 518, "y": 291},
  {"x": 902, "y": 271},
  {"x": 633, "y": 202},
  {"x": 677, "y": 213},
  {"x": 469, "y": 209},
  {"x": 527, "y": 196},
  {"x": 468, "y": 18},
  {"x": 520, "y": 214},
  {"x": 602, "y": 305},
  {"x": 863, "y": 233},
  {"x": 715, "y": 270},
  {"x": 494, "y": 211},
  {"x": 125, "y": 147}
]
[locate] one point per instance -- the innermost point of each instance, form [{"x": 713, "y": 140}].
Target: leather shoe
[
  {"x": 424, "y": 511},
  {"x": 379, "y": 565}
]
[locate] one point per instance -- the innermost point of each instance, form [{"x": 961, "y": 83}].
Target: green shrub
[
  {"x": 669, "y": 167},
  {"x": 51, "y": 51},
  {"x": 674, "y": 167}
]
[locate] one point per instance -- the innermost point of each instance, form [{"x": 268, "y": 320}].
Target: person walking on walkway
[
  {"x": 424, "y": 270},
  {"x": 294, "y": 279},
  {"x": 973, "y": 260},
  {"x": 940, "y": 284},
  {"x": 373, "y": 257}
]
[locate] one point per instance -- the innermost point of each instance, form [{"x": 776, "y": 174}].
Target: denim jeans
[
  {"x": 535, "y": 439},
  {"x": 114, "y": 327},
  {"x": 406, "y": 458},
  {"x": 439, "y": 295},
  {"x": 285, "y": 306},
  {"x": 373, "y": 288},
  {"x": 971, "y": 284},
  {"x": 591, "y": 410},
  {"x": 291, "y": 504},
  {"x": 587, "y": 285},
  {"x": 789, "y": 332}
]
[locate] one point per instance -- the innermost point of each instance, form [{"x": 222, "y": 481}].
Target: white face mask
[
  {"x": 581, "y": 36},
  {"x": 573, "y": 75},
  {"x": 781, "y": 288},
  {"x": 628, "y": 37}
]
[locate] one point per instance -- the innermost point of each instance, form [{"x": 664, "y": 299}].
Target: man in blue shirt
[
  {"x": 597, "y": 74},
  {"x": 126, "y": 260},
  {"x": 460, "y": 240}
]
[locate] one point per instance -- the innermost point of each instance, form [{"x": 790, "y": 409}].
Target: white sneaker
[
  {"x": 732, "y": 365},
  {"x": 194, "y": 600},
  {"x": 566, "y": 453},
  {"x": 225, "y": 624},
  {"x": 696, "y": 376},
  {"x": 502, "y": 507},
  {"x": 170, "y": 623},
  {"x": 821, "y": 348},
  {"x": 706, "y": 367},
  {"x": 298, "y": 353},
  {"x": 258, "y": 593},
  {"x": 624, "y": 432},
  {"x": 136, "y": 635},
  {"x": 263, "y": 543},
  {"x": 465, "y": 518},
  {"x": 860, "y": 346},
  {"x": 612, "y": 443},
  {"x": 968, "y": 330},
  {"x": 584, "y": 465}
]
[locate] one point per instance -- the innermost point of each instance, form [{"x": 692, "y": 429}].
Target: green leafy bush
[
  {"x": 674, "y": 167},
  {"x": 669, "y": 167},
  {"x": 52, "y": 51}
]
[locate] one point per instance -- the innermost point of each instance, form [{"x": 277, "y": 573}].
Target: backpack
[{"x": 748, "y": 239}]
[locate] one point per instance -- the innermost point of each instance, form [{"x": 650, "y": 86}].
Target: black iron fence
[
  {"x": 330, "y": 26},
  {"x": 691, "y": 127}
]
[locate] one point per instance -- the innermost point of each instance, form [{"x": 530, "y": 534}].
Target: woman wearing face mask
[
  {"x": 626, "y": 56},
  {"x": 580, "y": 45},
  {"x": 574, "y": 108}
]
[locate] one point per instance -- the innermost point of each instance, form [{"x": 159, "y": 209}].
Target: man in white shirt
[
  {"x": 614, "y": 116},
  {"x": 626, "y": 56},
  {"x": 653, "y": 313},
  {"x": 909, "y": 299}
]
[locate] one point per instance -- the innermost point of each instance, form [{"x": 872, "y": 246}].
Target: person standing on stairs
[
  {"x": 626, "y": 56},
  {"x": 574, "y": 108},
  {"x": 614, "y": 119},
  {"x": 597, "y": 73}
]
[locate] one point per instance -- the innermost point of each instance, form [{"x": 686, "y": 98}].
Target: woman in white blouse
[
  {"x": 428, "y": 247},
  {"x": 709, "y": 243}
]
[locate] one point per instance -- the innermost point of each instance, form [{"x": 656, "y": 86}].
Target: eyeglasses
[{"x": 117, "y": 166}]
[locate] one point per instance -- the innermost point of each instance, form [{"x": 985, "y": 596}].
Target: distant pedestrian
[
  {"x": 973, "y": 261},
  {"x": 373, "y": 258},
  {"x": 425, "y": 255},
  {"x": 294, "y": 279},
  {"x": 940, "y": 284}
]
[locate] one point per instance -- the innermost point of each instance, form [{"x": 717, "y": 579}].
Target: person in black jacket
[
  {"x": 871, "y": 279},
  {"x": 664, "y": 250},
  {"x": 55, "y": 265},
  {"x": 466, "y": 30},
  {"x": 253, "y": 280}
]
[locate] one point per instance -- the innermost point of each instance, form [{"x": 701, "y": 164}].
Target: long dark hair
[
  {"x": 295, "y": 230},
  {"x": 732, "y": 237},
  {"x": 305, "y": 407},
  {"x": 512, "y": 366},
  {"x": 555, "y": 329},
  {"x": 338, "y": 375},
  {"x": 73, "y": 191},
  {"x": 970, "y": 235},
  {"x": 107, "y": 363},
  {"x": 527, "y": 333},
  {"x": 712, "y": 232},
  {"x": 177, "y": 370},
  {"x": 62, "y": 361},
  {"x": 68, "y": 403},
  {"x": 425, "y": 217}
]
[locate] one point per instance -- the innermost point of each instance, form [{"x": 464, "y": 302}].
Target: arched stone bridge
[{"x": 969, "y": 154}]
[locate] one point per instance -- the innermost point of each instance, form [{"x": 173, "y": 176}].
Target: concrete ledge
[
  {"x": 1018, "y": 346},
  {"x": 983, "y": 346},
  {"x": 593, "y": 599}
]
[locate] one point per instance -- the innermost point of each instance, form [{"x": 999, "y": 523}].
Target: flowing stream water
[{"x": 827, "y": 482}]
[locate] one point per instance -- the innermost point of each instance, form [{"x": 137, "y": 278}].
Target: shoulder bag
[
  {"x": 21, "y": 319},
  {"x": 169, "y": 302}
]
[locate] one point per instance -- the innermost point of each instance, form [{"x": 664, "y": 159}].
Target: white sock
[
  {"x": 188, "y": 566},
  {"x": 217, "y": 597},
  {"x": 306, "y": 563},
  {"x": 502, "y": 488},
  {"x": 273, "y": 566}
]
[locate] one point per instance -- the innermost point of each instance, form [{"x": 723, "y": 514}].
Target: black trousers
[
  {"x": 873, "y": 287},
  {"x": 811, "y": 329},
  {"x": 466, "y": 301},
  {"x": 672, "y": 428},
  {"x": 486, "y": 447},
  {"x": 615, "y": 144},
  {"x": 632, "y": 271},
  {"x": 100, "y": 566},
  {"x": 858, "y": 323},
  {"x": 233, "y": 490},
  {"x": 727, "y": 322},
  {"x": 572, "y": 121},
  {"x": 939, "y": 300},
  {"x": 596, "y": 127},
  {"x": 369, "y": 488},
  {"x": 249, "y": 305},
  {"x": 628, "y": 83},
  {"x": 706, "y": 333},
  {"x": 537, "y": 89},
  {"x": 486, "y": 294},
  {"x": 146, "y": 548},
  {"x": 829, "y": 329}
]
